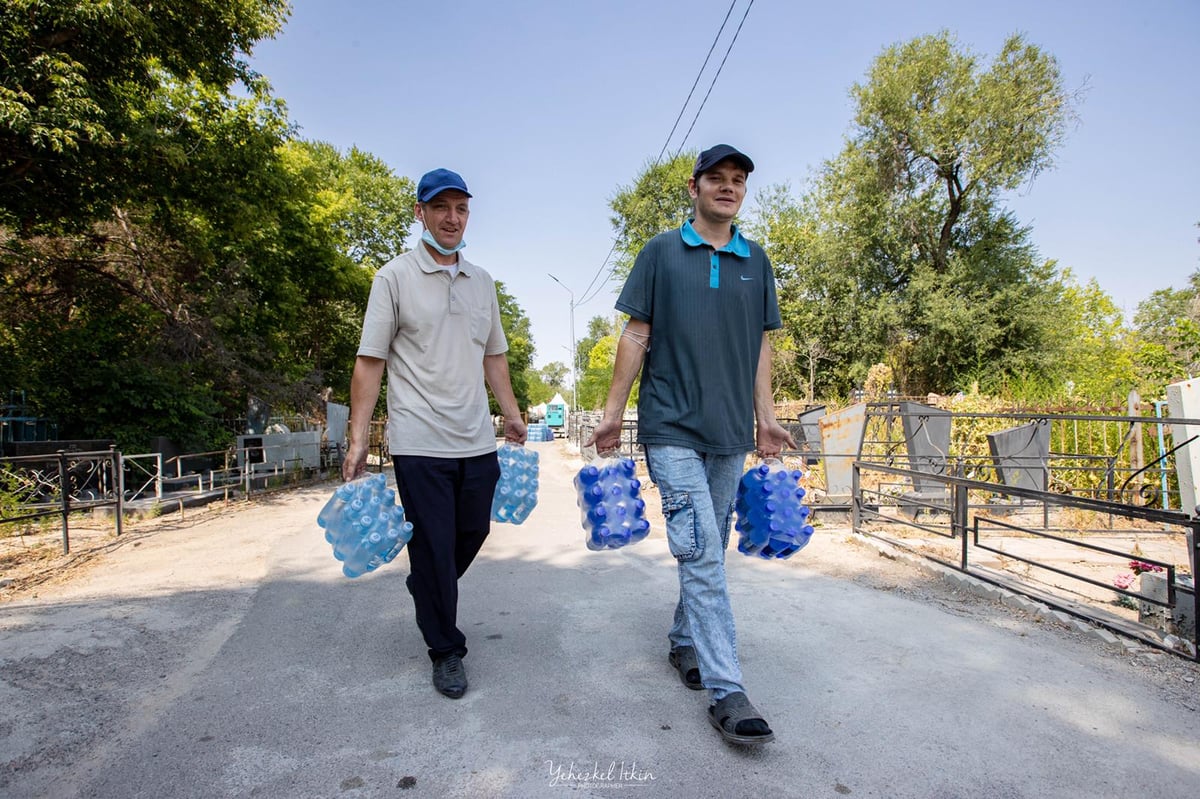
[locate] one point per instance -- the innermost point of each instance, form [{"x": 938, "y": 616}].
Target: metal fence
[
  {"x": 37, "y": 487},
  {"x": 42, "y": 486},
  {"x": 1124, "y": 459},
  {"x": 1060, "y": 549},
  {"x": 583, "y": 425}
]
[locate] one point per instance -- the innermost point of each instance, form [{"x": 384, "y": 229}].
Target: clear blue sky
[{"x": 547, "y": 107}]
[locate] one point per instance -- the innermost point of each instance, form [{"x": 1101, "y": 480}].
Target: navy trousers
[{"x": 449, "y": 502}]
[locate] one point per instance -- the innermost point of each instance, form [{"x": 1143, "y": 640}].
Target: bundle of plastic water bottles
[
  {"x": 772, "y": 517},
  {"x": 538, "y": 432},
  {"x": 364, "y": 524},
  {"x": 516, "y": 492},
  {"x": 610, "y": 503}
]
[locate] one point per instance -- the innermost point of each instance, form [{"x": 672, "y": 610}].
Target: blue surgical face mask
[{"x": 428, "y": 238}]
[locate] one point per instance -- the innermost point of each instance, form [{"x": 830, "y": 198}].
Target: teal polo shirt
[{"x": 707, "y": 310}]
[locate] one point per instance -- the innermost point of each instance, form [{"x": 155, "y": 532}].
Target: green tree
[
  {"x": 554, "y": 374},
  {"x": 538, "y": 389},
  {"x": 75, "y": 78},
  {"x": 136, "y": 213},
  {"x": 228, "y": 261},
  {"x": 902, "y": 252},
  {"x": 177, "y": 301},
  {"x": 520, "y": 347},
  {"x": 940, "y": 131},
  {"x": 544, "y": 383},
  {"x": 598, "y": 328},
  {"x": 657, "y": 200},
  {"x": 1158, "y": 313},
  {"x": 356, "y": 195},
  {"x": 1101, "y": 350},
  {"x": 826, "y": 303},
  {"x": 595, "y": 381},
  {"x": 1168, "y": 329}
]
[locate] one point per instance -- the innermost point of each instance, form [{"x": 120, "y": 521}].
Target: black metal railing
[
  {"x": 968, "y": 521},
  {"x": 34, "y": 487},
  {"x": 42, "y": 486}
]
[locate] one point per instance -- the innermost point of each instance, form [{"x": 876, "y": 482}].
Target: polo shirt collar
[
  {"x": 737, "y": 245},
  {"x": 430, "y": 266}
]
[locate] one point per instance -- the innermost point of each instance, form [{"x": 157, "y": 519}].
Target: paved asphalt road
[{"x": 226, "y": 656}]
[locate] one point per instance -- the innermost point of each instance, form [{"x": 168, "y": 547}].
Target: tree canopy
[
  {"x": 520, "y": 346},
  {"x": 1168, "y": 329},
  {"x": 78, "y": 81},
  {"x": 902, "y": 252},
  {"x": 168, "y": 246},
  {"x": 939, "y": 130},
  {"x": 657, "y": 200}
]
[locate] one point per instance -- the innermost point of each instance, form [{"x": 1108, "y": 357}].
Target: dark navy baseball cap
[
  {"x": 722, "y": 152},
  {"x": 434, "y": 183}
]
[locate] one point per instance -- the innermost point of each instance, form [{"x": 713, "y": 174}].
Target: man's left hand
[
  {"x": 772, "y": 436},
  {"x": 514, "y": 430}
]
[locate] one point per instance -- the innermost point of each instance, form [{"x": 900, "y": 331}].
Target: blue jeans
[{"x": 697, "y": 492}]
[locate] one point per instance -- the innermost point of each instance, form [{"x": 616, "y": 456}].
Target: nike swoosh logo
[{"x": 743, "y": 277}]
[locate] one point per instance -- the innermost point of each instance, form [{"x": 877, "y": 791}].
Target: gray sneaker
[{"x": 450, "y": 676}]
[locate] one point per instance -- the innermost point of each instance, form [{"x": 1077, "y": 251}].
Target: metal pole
[
  {"x": 1110, "y": 484},
  {"x": 65, "y": 489},
  {"x": 855, "y": 509},
  {"x": 962, "y": 510},
  {"x": 119, "y": 484},
  {"x": 1046, "y": 486},
  {"x": 1162, "y": 453},
  {"x": 1193, "y": 539},
  {"x": 574, "y": 357}
]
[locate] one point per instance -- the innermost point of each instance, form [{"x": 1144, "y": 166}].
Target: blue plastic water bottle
[
  {"x": 772, "y": 519},
  {"x": 364, "y": 525},
  {"x": 342, "y": 496},
  {"x": 610, "y": 504},
  {"x": 516, "y": 491}
]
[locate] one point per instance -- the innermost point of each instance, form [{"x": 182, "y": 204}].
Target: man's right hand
[
  {"x": 606, "y": 438},
  {"x": 354, "y": 465}
]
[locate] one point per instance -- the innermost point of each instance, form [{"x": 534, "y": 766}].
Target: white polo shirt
[{"x": 434, "y": 329}]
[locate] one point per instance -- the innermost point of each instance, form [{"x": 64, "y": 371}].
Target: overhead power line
[
  {"x": 714, "y": 80},
  {"x": 593, "y": 289},
  {"x": 696, "y": 82}
]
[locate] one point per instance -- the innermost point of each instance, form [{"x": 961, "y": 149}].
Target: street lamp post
[{"x": 574, "y": 383}]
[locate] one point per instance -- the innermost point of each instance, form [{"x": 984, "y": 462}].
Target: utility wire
[
  {"x": 714, "y": 80},
  {"x": 593, "y": 289},
  {"x": 699, "y": 74}
]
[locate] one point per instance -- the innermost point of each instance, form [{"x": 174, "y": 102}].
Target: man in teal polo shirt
[{"x": 701, "y": 300}]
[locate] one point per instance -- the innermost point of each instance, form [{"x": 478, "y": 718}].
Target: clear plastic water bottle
[
  {"x": 342, "y": 496},
  {"x": 772, "y": 519},
  {"x": 516, "y": 491},
  {"x": 364, "y": 525},
  {"x": 610, "y": 504}
]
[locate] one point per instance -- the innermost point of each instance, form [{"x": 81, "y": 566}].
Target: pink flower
[
  {"x": 1139, "y": 567},
  {"x": 1123, "y": 581}
]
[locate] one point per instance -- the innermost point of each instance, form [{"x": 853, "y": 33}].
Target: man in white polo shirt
[{"x": 433, "y": 321}]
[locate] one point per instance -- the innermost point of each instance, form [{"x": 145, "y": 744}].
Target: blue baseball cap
[
  {"x": 434, "y": 183},
  {"x": 718, "y": 153}
]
